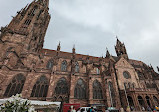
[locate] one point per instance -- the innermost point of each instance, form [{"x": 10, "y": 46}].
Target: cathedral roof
[{"x": 68, "y": 55}]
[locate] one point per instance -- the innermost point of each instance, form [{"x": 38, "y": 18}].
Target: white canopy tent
[{"x": 37, "y": 104}]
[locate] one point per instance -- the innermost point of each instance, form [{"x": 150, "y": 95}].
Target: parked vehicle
[
  {"x": 112, "y": 109},
  {"x": 85, "y": 109}
]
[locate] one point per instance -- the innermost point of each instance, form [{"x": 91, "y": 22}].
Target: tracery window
[
  {"x": 125, "y": 85},
  {"x": 64, "y": 66},
  {"x": 112, "y": 93},
  {"x": 76, "y": 67},
  {"x": 27, "y": 22},
  {"x": 97, "y": 90},
  {"x": 133, "y": 85},
  {"x": 9, "y": 50},
  {"x": 15, "y": 86},
  {"x": 40, "y": 88},
  {"x": 126, "y": 75},
  {"x": 129, "y": 85},
  {"x": 33, "y": 11},
  {"x": 80, "y": 90},
  {"x": 61, "y": 87},
  {"x": 97, "y": 70},
  {"x": 49, "y": 64}
]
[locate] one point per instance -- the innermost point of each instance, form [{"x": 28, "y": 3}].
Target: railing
[{"x": 142, "y": 89}]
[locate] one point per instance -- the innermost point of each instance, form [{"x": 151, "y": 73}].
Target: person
[
  {"x": 148, "y": 109},
  {"x": 143, "y": 109},
  {"x": 91, "y": 109},
  {"x": 128, "y": 109},
  {"x": 69, "y": 110},
  {"x": 121, "y": 109},
  {"x": 73, "y": 109}
]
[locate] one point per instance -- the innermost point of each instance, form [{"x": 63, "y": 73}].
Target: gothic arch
[
  {"x": 97, "y": 90},
  {"x": 80, "y": 90},
  {"x": 50, "y": 64},
  {"x": 64, "y": 66},
  {"x": 155, "y": 100},
  {"x": 131, "y": 102},
  {"x": 10, "y": 49},
  {"x": 76, "y": 67},
  {"x": 33, "y": 11},
  {"x": 148, "y": 101},
  {"x": 141, "y": 101},
  {"x": 61, "y": 87},
  {"x": 15, "y": 86},
  {"x": 112, "y": 93},
  {"x": 40, "y": 88}
]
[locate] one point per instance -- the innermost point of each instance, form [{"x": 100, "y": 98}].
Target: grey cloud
[{"x": 93, "y": 24}]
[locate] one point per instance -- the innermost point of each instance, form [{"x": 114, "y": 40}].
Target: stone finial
[
  {"x": 73, "y": 49},
  {"x": 107, "y": 53},
  {"x": 59, "y": 46}
]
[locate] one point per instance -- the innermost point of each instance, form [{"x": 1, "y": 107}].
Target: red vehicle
[{"x": 66, "y": 106}]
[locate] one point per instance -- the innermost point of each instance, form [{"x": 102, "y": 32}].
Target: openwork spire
[
  {"x": 59, "y": 46},
  {"x": 107, "y": 53}
]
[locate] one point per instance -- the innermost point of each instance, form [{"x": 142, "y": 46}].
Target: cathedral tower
[
  {"x": 120, "y": 49},
  {"x": 28, "y": 27}
]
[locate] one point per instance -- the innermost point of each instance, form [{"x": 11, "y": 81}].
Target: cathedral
[{"x": 53, "y": 75}]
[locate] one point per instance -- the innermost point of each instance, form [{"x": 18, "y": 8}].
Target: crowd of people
[
  {"x": 72, "y": 109},
  {"x": 128, "y": 109},
  {"x": 148, "y": 109}
]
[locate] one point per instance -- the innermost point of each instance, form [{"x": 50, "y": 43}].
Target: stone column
[
  {"x": 136, "y": 102},
  {"x": 51, "y": 87},
  {"x": 145, "y": 101}
]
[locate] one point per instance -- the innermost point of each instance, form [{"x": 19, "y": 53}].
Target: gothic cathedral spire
[
  {"x": 120, "y": 49},
  {"x": 29, "y": 26}
]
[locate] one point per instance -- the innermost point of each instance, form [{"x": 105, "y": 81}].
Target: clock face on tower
[{"x": 126, "y": 75}]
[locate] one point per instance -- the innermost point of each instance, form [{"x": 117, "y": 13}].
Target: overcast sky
[{"x": 92, "y": 25}]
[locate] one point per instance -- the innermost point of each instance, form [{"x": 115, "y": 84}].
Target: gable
[{"x": 123, "y": 63}]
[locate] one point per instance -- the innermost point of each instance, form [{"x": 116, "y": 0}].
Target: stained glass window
[
  {"x": 61, "y": 87},
  {"x": 126, "y": 75},
  {"x": 64, "y": 66},
  {"x": 40, "y": 88},
  {"x": 76, "y": 67},
  {"x": 15, "y": 86},
  {"x": 97, "y": 90},
  {"x": 80, "y": 90},
  {"x": 112, "y": 92},
  {"x": 49, "y": 64}
]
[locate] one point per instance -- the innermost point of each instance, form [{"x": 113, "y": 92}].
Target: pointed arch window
[
  {"x": 61, "y": 87},
  {"x": 64, "y": 66},
  {"x": 97, "y": 90},
  {"x": 33, "y": 11},
  {"x": 49, "y": 64},
  {"x": 80, "y": 90},
  {"x": 125, "y": 85},
  {"x": 133, "y": 85},
  {"x": 10, "y": 49},
  {"x": 40, "y": 88},
  {"x": 112, "y": 94},
  {"x": 27, "y": 22},
  {"x": 15, "y": 86},
  {"x": 129, "y": 85},
  {"x": 97, "y": 70},
  {"x": 76, "y": 67}
]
